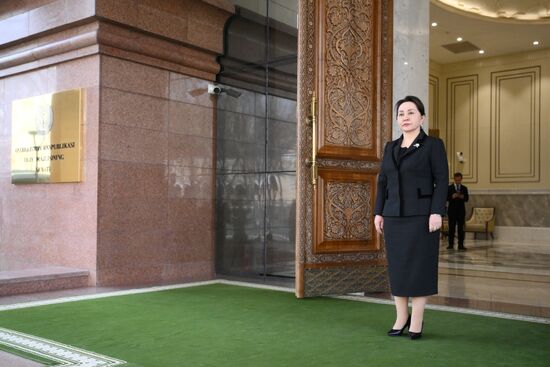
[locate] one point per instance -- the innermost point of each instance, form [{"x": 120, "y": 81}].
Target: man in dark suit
[{"x": 457, "y": 195}]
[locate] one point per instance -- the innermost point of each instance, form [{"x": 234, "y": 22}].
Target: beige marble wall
[
  {"x": 503, "y": 141},
  {"x": 516, "y": 210},
  {"x": 156, "y": 176},
  {"x": 50, "y": 224}
]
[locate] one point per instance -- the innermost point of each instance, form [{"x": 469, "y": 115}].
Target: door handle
[{"x": 312, "y": 119}]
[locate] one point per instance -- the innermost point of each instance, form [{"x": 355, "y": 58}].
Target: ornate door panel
[{"x": 344, "y": 118}]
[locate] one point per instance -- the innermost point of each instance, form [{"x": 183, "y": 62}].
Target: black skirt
[{"x": 412, "y": 252}]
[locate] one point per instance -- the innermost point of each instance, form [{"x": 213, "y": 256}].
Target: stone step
[{"x": 42, "y": 280}]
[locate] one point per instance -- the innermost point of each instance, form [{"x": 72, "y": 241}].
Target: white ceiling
[
  {"x": 507, "y": 10},
  {"x": 495, "y": 36}
]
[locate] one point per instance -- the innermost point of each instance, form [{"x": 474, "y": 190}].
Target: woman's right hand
[{"x": 379, "y": 224}]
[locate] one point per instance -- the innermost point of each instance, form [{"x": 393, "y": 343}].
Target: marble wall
[
  {"x": 143, "y": 213},
  {"x": 513, "y": 209},
  {"x": 51, "y": 224},
  {"x": 156, "y": 174},
  {"x": 410, "y": 54},
  {"x": 492, "y": 110}
]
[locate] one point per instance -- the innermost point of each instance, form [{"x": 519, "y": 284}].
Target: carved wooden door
[{"x": 344, "y": 118}]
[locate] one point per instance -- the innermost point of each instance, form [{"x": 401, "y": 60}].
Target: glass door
[{"x": 256, "y": 144}]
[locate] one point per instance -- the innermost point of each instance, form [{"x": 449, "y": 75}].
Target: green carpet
[{"x": 222, "y": 325}]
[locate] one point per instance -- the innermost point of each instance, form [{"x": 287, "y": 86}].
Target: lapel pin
[{"x": 416, "y": 145}]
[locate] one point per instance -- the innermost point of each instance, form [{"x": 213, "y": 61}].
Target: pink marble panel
[
  {"x": 30, "y": 84},
  {"x": 123, "y": 11},
  {"x": 14, "y": 28},
  {"x": 226, "y": 5},
  {"x": 3, "y": 118},
  {"x": 80, "y": 73},
  {"x": 79, "y": 9},
  {"x": 120, "y": 143},
  {"x": 189, "y": 245},
  {"x": 191, "y": 182},
  {"x": 170, "y": 6},
  {"x": 5, "y": 151},
  {"x": 132, "y": 180},
  {"x": 166, "y": 22},
  {"x": 149, "y": 257},
  {"x": 136, "y": 214},
  {"x": 47, "y": 16},
  {"x": 131, "y": 247},
  {"x": 191, "y": 213},
  {"x": 130, "y": 257},
  {"x": 133, "y": 110},
  {"x": 205, "y": 27},
  {"x": 155, "y": 274},
  {"x": 190, "y": 151},
  {"x": 89, "y": 176},
  {"x": 53, "y": 224},
  {"x": 188, "y": 271},
  {"x": 39, "y": 232},
  {"x": 190, "y": 90},
  {"x": 90, "y": 124},
  {"x": 189, "y": 119},
  {"x": 132, "y": 77}
]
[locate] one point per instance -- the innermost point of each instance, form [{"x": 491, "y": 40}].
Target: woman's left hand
[{"x": 434, "y": 222}]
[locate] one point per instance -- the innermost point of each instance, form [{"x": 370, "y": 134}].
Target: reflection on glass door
[{"x": 256, "y": 143}]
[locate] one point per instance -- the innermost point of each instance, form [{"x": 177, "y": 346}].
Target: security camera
[
  {"x": 214, "y": 89},
  {"x": 460, "y": 157},
  {"x": 217, "y": 90}
]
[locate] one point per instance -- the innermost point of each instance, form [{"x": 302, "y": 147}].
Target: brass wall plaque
[{"x": 46, "y": 138}]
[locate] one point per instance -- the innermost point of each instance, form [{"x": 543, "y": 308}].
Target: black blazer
[
  {"x": 456, "y": 205},
  {"x": 417, "y": 184}
]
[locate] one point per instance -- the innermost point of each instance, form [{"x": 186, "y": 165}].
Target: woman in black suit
[{"x": 410, "y": 201}]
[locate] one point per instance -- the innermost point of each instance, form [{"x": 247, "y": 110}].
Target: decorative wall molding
[
  {"x": 515, "y": 125},
  {"x": 434, "y": 102},
  {"x": 113, "y": 40},
  {"x": 127, "y": 31},
  {"x": 466, "y": 125}
]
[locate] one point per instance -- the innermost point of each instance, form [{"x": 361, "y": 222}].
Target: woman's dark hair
[{"x": 417, "y": 102}]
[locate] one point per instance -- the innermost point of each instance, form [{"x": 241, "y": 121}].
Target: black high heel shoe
[
  {"x": 418, "y": 335},
  {"x": 398, "y": 332}
]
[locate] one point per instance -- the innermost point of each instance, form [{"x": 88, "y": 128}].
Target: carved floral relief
[
  {"x": 348, "y": 80},
  {"x": 347, "y": 207}
]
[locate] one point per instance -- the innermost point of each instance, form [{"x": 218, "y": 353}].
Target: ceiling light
[
  {"x": 434, "y": 24},
  {"x": 481, "y": 52},
  {"x": 459, "y": 39},
  {"x": 406, "y": 63},
  {"x": 536, "y": 43}
]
